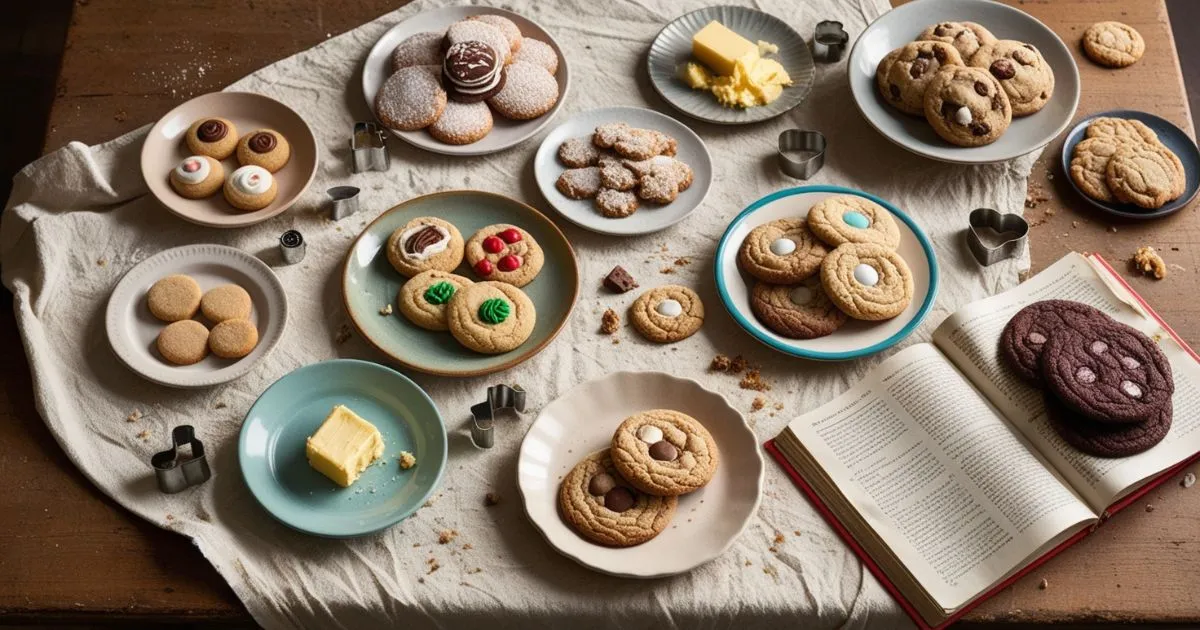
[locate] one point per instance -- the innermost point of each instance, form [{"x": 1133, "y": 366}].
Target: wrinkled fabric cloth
[{"x": 79, "y": 218}]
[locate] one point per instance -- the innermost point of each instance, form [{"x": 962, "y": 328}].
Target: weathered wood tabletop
[{"x": 69, "y": 553}]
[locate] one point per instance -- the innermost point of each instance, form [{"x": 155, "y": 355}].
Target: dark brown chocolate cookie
[
  {"x": 1026, "y": 333},
  {"x": 1108, "y": 373},
  {"x": 1107, "y": 440}
]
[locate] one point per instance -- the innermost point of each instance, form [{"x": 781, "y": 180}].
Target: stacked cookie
[
  {"x": 1108, "y": 387},
  {"x": 813, "y": 273},
  {"x": 626, "y": 494},
  {"x": 251, "y": 186},
  {"x": 177, "y": 299},
  {"x": 965, "y": 82},
  {"x": 450, "y": 82},
  {"x": 621, "y": 166},
  {"x": 490, "y": 316},
  {"x": 1122, "y": 160}
]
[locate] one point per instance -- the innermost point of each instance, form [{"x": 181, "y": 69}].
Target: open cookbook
[{"x": 941, "y": 471}]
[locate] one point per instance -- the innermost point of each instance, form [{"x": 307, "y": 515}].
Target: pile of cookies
[
  {"x": 1122, "y": 160},
  {"x": 1108, "y": 387},
  {"x": 177, "y": 298},
  {"x": 490, "y": 316},
  {"x": 965, "y": 82},
  {"x": 620, "y": 166},
  {"x": 251, "y": 186},
  {"x": 812, "y": 273},
  {"x": 450, "y": 82},
  {"x": 626, "y": 494}
]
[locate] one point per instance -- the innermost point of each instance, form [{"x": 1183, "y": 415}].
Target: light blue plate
[
  {"x": 271, "y": 448},
  {"x": 856, "y": 338}
]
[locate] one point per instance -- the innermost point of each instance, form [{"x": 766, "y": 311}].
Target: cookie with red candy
[{"x": 504, "y": 253}]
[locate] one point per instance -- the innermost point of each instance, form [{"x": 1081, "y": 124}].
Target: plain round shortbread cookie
[
  {"x": 228, "y": 301},
  {"x": 667, "y": 314},
  {"x": 462, "y": 123},
  {"x": 491, "y": 317},
  {"x": 664, "y": 452},
  {"x": 184, "y": 342},
  {"x": 173, "y": 298},
  {"x": 233, "y": 338},
  {"x": 603, "y": 508},
  {"x": 1113, "y": 44},
  {"x": 867, "y": 281}
]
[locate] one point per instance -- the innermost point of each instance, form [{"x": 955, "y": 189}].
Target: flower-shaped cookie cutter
[
  {"x": 483, "y": 415},
  {"x": 1012, "y": 227},
  {"x": 177, "y": 471},
  {"x": 801, "y": 153}
]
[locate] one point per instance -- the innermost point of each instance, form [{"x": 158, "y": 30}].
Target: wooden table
[{"x": 69, "y": 554}]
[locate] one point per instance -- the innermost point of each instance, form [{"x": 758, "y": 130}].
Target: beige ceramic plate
[
  {"x": 164, "y": 149},
  {"x": 707, "y": 521}
]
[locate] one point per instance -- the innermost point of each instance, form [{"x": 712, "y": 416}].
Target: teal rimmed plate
[
  {"x": 856, "y": 338},
  {"x": 271, "y": 448},
  {"x": 369, "y": 282}
]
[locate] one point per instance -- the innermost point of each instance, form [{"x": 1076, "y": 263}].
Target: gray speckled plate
[
  {"x": 369, "y": 282},
  {"x": 672, "y": 49}
]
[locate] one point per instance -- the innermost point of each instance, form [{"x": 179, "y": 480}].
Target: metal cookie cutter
[
  {"x": 829, "y": 41},
  {"x": 483, "y": 432},
  {"x": 1012, "y": 229},
  {"x": 291, "y": 247},
  {"x": 809, "y": 149},
  {"x": 368, "y": 146},
  {"x": 343, "y": 201},
  {"x": 177, "y": 472}
]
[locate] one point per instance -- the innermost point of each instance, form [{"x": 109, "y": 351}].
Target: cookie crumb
[
  {"x": 749, "y": 564},
  {"x": 1044, "y": 584},
  {"x": 1149, "y": 262},
  {"x": 433, "y": 565},
  {"x": 779, "y": 538},
  {"x": 683, "y": 262},
  {"x": 758, "y": 404},
  {"x": 134, "y": 416},
  {"x": 616, "y": 341},
  {"x": 773, "y": 549},
  {"x": 720, "y": 363},
  {"x": 407, "y": 460},
  {"x": 343, "y": 334},
  {"x": 754, "y": 381},
  {"x": 220, "y": 405},
  {"x": 447, "y": 536},
  {"x": 667, "y": 270},
  {"x": 610, "y": 322},
  {"x": 102, "y": 261},
  {"x": 491, "y": 499},
  {"x": 120, "y": 116},
  {"x": 420, "y": 580},
  {"x": 415, "y": 545},
  {"x": 1149, "y": 507},
  {"x": 738, "y": 364},
  {"x": 475, "y": 570},
  {"x": 778, "y": 406},
  {"x": 386, "y": 310},
  {"x": 1074, "y": 224},
  {"x": 468, "y": 547},
  {"x": 796, "y": 533},
  {"x": 1189, "y": 480},
  {"x": 144, "y": 435}
]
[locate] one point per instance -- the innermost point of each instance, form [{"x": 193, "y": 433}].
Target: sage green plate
[{"x": 369, "y": 282}]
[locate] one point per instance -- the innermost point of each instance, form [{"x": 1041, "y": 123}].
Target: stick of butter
[
  {"x": 343, "y": 446},
  {"x": 720, "y": 48}
]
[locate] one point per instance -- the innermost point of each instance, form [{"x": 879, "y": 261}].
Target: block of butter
[
  {"x": 720, "y": 48},
  {"x": 343, "y": 446}
]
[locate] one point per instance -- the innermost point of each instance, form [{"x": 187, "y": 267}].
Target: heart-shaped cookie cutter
[
  {"x": 176, "y": 471},
  {"x": 800, "y": 140},
  {"x": 483, "y": 415},
  {"x": 1006, "y": 223},
  {"x": 829, "y": 41}
]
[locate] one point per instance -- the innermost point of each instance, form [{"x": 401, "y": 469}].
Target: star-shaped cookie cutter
[
  {"x": 1013, "y": 225},
  {"x": 178, "y": 471},
  {"x": 483, "y": 415}
]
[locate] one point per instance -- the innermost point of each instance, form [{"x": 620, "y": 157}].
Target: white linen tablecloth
[{"x": 80, "y": 217}]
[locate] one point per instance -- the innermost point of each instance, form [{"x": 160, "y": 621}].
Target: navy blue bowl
[{"x": 1173, "y": 137}]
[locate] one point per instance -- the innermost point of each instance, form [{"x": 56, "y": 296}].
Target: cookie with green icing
[
  {"x": 425, "y": 297},
  {"x": 490, "y": 317}
]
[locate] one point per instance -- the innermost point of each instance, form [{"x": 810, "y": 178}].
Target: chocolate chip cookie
[
  {"x": 967, "y": 107},
  {"x": 603, "y": 508},
  {"x": 490, "y": 317},
  {"x": 667, "y": 314},
  {"x": 799, "y": 311},
  {"x": 784, "y": 251},
  {"x": 1113, "y": 44},
  {"x": 842, "y": 219},
  {"x": 1026, "y": 333},
  {"x": 903, "y": 74},
  {"x": 425, "y": 243},
  {"x": 867, "y": 281},
  {"x": 664, "y": 453},
  {"x": 1022, "y": 71},
  {"x": 966, "y": 37}
]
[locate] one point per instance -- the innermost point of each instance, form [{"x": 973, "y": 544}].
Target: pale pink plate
[{"x": 164, "y": 149}]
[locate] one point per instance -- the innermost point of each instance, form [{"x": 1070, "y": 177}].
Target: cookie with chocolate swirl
[
  {"x": 264, "y": 147},
  {"x": 215, "y": 137},
  {"x": 425, "y": 243}
]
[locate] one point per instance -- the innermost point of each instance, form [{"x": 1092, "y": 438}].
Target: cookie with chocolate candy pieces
[
  {"x": 664, "y": 452},
  {"x": 1026, "y": 333},
  {"x": 604, "y": 508}
]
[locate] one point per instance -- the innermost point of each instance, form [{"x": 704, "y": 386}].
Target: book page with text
[
  {"x": 970, "y": 338},
  {"x": 958, "y": 495}
]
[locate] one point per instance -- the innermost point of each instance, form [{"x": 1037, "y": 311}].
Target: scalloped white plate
[
  {"x": 583, "y": 420},
  {"x": 132, "y": 330}
]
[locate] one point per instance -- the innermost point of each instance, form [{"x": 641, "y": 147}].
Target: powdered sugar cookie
[
  {"x": 478, "y": 31},
  {"x": 251, "y": 188},
  {"x": 664, "y": 180},
  {"x": 411, "y": 99},
  {"x": 616, "y": 204},
  {"x": 615, "y": 175},
  {"x": 538, "y": 53},
  {"x": 197, "y": 177},
  {"x": 462, "y": 123},
  {"x": 529, "y": 91},
  {"x": 506, "y": 26},
  {"x": 578, "y": 153},
  {"x": 422, "y": 49},
  {"x": 214, "y": 137},
  {"x": 579, "y": 183}
]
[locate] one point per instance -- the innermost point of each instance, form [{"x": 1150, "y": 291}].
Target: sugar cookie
[
  {"x": 867, "y": 281},
  {"x": 228, "y": 301},
  {"x": 422, "y": 49},
  {"x": 233, "y": 338},
  {"x": 184, "y": 342},
  {"x": 783, "y": 251},
  {"x": 538, "y": 53},
  {"x": 529, "y": 91},
  {"x": 667, "y": 314},
  {"x": 505, "y": 253},
  {"x": 412, "y": 98},
  {"x": 462, "y": 123},
  {"x": 424, "y": 297},
  {"x": 490, "y": 317},
  {"x": 174, "y": 298}
]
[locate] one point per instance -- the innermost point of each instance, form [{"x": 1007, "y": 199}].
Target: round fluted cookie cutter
[
  {"x": 811, "y": 144},
  {"x": 1013, "y": 225}
]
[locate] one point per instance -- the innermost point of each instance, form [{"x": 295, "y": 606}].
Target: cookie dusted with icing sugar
[
  {"x": 505, "y": 253},
  {"x": 264, "y": 147},
  {"x": 529, "y": 91},
  {"x": 667, "y": 314},
  {"x": 197, "y": 177},
  {"x": 538, "y": 53},
  {"x": 604, "y": 508},
  {"x": 425, "y": 243},
  {"x": 469, "y": 30},
  {"x": 462, "y": 123},
  {"x": 510, "y": 29},
  {"x": 664, "y": 452},
  {"x": 784, "y": 251},
  {"x": 215, "y": 137},
  {"x": 412, "y": 98},
  {"x": 491, "y": 317},
  {"x": 422, "y": 49},
  {"x": 251, "y": 188}
]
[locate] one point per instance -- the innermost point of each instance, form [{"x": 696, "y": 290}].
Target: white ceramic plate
[
  {"x": 505, "y": 133},
  {"x": 856, "y": 338},
  {"x": 132, "y": 330},
  {"x": 672, "y": 49},
  {"x": 649, "y": 217},
  {"x": 902, "y": 24},
  {"x": 582, "y": 421}
]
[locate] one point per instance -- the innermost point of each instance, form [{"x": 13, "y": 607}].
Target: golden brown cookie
[
  {"x": 667, "y": 314},
  {"x": 184, "y": 342},
  {"x": 505, "y": 253},
  {"x": 251, "y": 187},
  {"x": 617, "y": 176},
  {"x": 228, "y": 301},
  {"x": 474, "y": 29},
  {"x": 852, "y": 219},
  {"x": 784, "y": 251},
  {"x": 867, "y": 281},
  {"x": 510, "y": 29},
  {"x": 197, "y": 177},
  {"x": 664, "y": 453},
  {"x": 538, "y": 53},
  {"x": 579, "y": 183},
  {"x": 578, "y": 153},
  {"x": 1144, "y": 175},
  {"x": 903, "y": 74},
  {"x": 1022, "y": 71},
  {"x": 967, "y": 107},
  {"x": 215, "y": 137},
  {"x": 617, "y": 204},
  {"x": 233, "y": 338},
  {"x": 966, "y": 37},
  {"x": 1089, "y": 166},
  {"x": 603, "y": 508},
  {"x": 490, "y": 317},
  {"x": 1121, "y": 129},
  {"x": 264, "y": 147},
  {"x": 422, "y": 49},
  {"x": 425, "y": 243},
  {"x": 1113, "y": 44},
  {"x": 174, "y": 298},
  {"x": 424, "y": 297}
]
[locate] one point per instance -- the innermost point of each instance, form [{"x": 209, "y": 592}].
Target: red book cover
[{"x": 1113, "y": 509}]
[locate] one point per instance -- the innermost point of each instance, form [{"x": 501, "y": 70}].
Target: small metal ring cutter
[
  {"x": 483, "y": 415},
  {"x": 1013, "y": 227},
  {"x": 810, "y": 144},
  {"x": 176, "y": 471}
]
